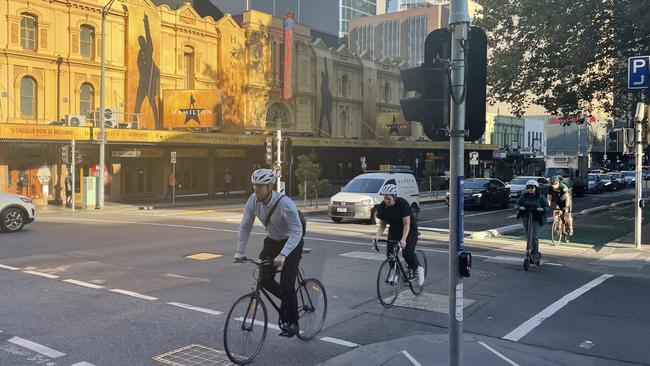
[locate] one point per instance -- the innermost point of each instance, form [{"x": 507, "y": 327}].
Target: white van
[{"x": 357, "y": 200}]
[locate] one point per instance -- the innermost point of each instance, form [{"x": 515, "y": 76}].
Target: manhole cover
[
  {"x": 194, "y": 355},
  {"x": 482, "y": 274}
]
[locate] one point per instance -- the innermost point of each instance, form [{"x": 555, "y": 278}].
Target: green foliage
[
  {"x": 309, "y": 171},
  {"x": 567, "y": 56}
]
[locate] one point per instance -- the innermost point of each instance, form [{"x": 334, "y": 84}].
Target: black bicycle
[
  {"x": 392, "y": 273},
  {"x": 247, "y": 322}
]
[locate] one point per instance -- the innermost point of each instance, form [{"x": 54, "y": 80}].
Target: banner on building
[
  {"x": 288, "y": 52},
  {"x": 191, "y": 108},
  {"x": 393, "y": 126}
]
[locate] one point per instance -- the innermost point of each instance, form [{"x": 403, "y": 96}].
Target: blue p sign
[{"x": 638, "y": 72}]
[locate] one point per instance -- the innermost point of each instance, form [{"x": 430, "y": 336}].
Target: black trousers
[
  {"x": 286, "y": 289},
  {"x": 409, "y": 250}
]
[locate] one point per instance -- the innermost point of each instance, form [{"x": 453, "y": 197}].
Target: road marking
[
  {"x": 498, "y": 354},
  {"x": 84, "y": 284},
  {"x": 84, "y": 363},
  {"x": 9, "y": 267},
  {"x": 38, "y": 348},
  {"x": 530, "y": 324},
  {"x": 365, "y": 255},
  {"x": 512, "y": 260},
  {"x": 411, "y": 358},
  {"x": 134, "y": 294},
  {"x": 261, "y": 324},
  {"x": 46, "y": 275},
  {"x": 340, "y": 342},
  {"x": 195, "y": 308}
]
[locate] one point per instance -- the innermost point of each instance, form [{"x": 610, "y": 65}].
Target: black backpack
[{"x": 300, "y": 215}]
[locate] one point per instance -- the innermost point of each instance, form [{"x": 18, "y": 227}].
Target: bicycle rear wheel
[
  {"x": 415, "y": 288},
  {"x": 556, "y": 232},
  {"x": 312, "y": 308},
  {"x": 245, "y": 329},
  {"x": 388, "y": 282}
]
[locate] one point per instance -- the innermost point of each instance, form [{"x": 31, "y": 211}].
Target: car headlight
[
  {"x": 364, "y": 202},
  {"x": 25, "y": 199},
  {"x": 478, "y": 195}
]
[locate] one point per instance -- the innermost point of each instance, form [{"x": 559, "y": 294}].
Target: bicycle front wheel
[
  {"x": 245, "y": 329},
  {"x": 388, "y": 282},
  {"x": 556, "y": 232},
  {"x": 312, "y": 308},
  {"x": 415, "y": 288}
]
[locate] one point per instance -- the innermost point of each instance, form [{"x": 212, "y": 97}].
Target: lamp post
[{"x": 102, "y": 133}]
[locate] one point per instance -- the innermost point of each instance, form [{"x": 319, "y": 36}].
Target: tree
[
  {"x": 308, "y": 173},
  {"x": 567, "y": 56}
]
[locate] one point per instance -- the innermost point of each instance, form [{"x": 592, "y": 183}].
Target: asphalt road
[{"x": 116, "y": 288}]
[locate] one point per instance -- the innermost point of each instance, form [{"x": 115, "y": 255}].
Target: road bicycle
[
  {"x": 392, "y": 273},
  {"x": 560, "y": 229},
  {"x": 247, "y": 322}
]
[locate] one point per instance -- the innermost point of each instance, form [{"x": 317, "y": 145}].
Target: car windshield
[
  {"x": 553, "y": 172},
  {"x": 606, "y": 177},
  {"x": 363, "y": 185},
  {"x": 521, "y": 181},
  {"x": 476, "y": 184},
  {"x": 591, "y": 177}
]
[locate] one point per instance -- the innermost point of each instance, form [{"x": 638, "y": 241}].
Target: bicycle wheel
[
  {"x": 415, "y": 288},
  {"x": 556, "y": 232},
  {"x": 312, "y": 308},
  {"x": 245, "y": 329},
  {"x": 388, "y": 282}
]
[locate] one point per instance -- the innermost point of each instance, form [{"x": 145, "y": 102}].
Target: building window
[
  {"x": 28, "y": 32},
  {"x": 277, "y": 116},
  {"x": 188, "y": 68},
  {"x": 87, "y": 41},
  {"x": 345, "y": 86},
  {"x": 28, "y": 97},
  {"x": 387, "y": 98},
  {"x": 86, "y": 99}
]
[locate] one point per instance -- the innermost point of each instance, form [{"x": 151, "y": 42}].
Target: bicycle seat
[{"x": 306, "y": 250}]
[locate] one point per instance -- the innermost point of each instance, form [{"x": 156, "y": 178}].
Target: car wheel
[
  {"x": 336, "y": 219},
  {"x": 12, "y": 220}
]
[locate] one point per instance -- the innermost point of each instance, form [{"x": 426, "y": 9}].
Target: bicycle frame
[{"x": 394, "y": 256}]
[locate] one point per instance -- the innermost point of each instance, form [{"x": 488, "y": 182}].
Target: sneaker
[
  {"x": 420, "y": 276},
  {"x": 289, "y": 330},
  {"x": 393, "y": 279}
]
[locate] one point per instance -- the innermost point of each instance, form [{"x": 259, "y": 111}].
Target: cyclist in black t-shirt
[{"x": 396, "y": 212}]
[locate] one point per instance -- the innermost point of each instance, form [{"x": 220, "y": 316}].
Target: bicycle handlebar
[
  {"x": 374, "y": 242},
  {"x": 247, "y": 260}
]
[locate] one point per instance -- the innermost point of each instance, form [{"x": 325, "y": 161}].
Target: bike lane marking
[{"x": 532, "y": 323}]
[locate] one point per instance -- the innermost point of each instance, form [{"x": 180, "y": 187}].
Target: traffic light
[
  {"x": 268, "y": 152},
  {"x": 476, "y": 84},
  {"x": 78, "y": 157},
  {"x": 64, "y": 154},
  {"x": 613, "y": 141},
  {"x": 287, "y": 149}
]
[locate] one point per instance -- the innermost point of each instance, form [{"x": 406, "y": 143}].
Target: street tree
[
  {"x": 567, "y": 56},
  {"x": 308, "y": 175}
]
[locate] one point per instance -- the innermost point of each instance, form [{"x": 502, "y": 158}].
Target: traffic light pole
[
  {"x": 278, "y": 149},
  {"x": 459, "y": 26},
  {"x": 73, "y": 167},
  {"x": 638, "y": 214}
]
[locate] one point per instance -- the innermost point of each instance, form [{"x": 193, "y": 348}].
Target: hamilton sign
[{"x": 191, "y": 108}]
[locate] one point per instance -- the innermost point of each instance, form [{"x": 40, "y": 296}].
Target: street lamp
[{"x": 102, "y": 133}]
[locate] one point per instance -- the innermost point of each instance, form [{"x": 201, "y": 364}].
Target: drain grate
[
  {"x": 194, "y": 355},
  {"x": 482, "y": 274}
]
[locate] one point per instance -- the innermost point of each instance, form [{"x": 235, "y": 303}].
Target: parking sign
[{"x": 638, "y": 72}]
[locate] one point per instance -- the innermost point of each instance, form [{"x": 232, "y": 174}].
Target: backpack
[{"x": 303, "y": 222}]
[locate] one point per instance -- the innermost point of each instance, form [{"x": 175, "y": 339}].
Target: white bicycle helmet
[
  {"x": 263, "y": 176},
  {"x": 388, "y": 189},
  {"x": 532, "y": 182}
]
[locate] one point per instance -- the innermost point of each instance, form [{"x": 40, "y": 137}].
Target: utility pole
[
  {"x": 102, "y": 132},
  {"x": 459, "y": 27},
  {"x": 278, "y": 150},
  {"x": 638, "y": 200},
  {"x": 73, "y": 168}
]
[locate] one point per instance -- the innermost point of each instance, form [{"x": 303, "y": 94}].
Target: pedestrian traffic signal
[{"x": 64, "y": 154}]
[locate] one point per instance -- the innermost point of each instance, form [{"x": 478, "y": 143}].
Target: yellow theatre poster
[
  {"x": 393, "y": 125},
  {"x": 143, "y": 60},
  {"x": 191, "y": 108}
]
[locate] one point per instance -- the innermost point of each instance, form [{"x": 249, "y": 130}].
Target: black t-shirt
[{"x": 393, "y": 216}]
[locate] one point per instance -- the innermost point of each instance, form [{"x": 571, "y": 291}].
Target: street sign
[
  {"x": 173, "y": 159},
  {"x": 638, "y": 72}
]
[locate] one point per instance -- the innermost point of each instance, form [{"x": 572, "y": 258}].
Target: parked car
[
  {"x": 518, "y": 186},
  {"x": 484, "y": 193},
  {"x": 595, "y": 183},
  {"x": 599, "y": 171},
  {"x": 630, "y": 178},
  {"x": 357, "y": 200},
  {"x": 16, "y": 211},
  {"x": 616, "y": 176},
  {"x": 610, "y": 184}
]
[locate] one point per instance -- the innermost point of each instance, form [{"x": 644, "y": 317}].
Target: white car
[{"x": 15, "y": 212}]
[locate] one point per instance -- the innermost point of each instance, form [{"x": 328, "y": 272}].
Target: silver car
[{"x": 15, "y": 212}]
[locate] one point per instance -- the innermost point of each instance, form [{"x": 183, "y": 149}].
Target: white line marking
[
  {"x": 38, "y": 348},
  {"x": 498, "y": 354},
  {"x": 261, "y": 324},
  {"x": 84, "y": 284},
  {"x": 9, "y": 267},
  {"x": 84, "y": 363},
  {"x": 339, "y": 342},
  {"x": 530, "y": 324},
  {"x": 411, "y": 358},
  {"x": 195, "y": 308},
  {"x": 134, "y": 294},
  {"x": 46, "y": 275}
]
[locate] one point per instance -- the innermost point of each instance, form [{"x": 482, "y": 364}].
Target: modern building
[
  {"x": 211, "y": 90},
  {"x": 534, "y": 136}
]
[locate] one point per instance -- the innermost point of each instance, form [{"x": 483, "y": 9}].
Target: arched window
[
  {"x": 188, "y": 67},
  {"x": 87, "y": 41},
  {"x": 28, "y": 32},
  {"x": 86, "y": 99},
  {"x": 277, "y": 116},
  {"x": 28, "y": 97}
]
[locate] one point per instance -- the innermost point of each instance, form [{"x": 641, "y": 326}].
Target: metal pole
[
  {"x": 174, "y": 185},
  {"x": 605, "y": 155},
  {"x": 102, "y": 133},
  {"x": 458, "y": 25},
  {"x": 638, "y": 214},
  {"x": 73, "y": 167},
  {"x": 278, "y": 150}
]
